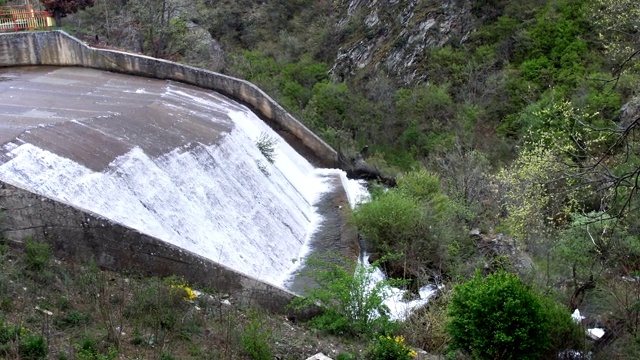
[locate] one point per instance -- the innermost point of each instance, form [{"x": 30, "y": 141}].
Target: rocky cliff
[{"x": 394, "y": 36}]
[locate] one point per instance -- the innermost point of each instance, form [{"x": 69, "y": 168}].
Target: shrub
[
  {"x": 413, "y": 220},
  {"x": 71, "y": 319},
  {"x": 256, "y": 338},
  {"x": 37, "y": 255},
  {"x": 267, "y": 146},
  {"x": 88, "y": 350},
  {"x": 391, "y": 348},
  {"x": 352, "y": 299},
  {"x": 33, "y": 347},
  {"x": 426, "y": 327},
  {"x": 564, "y": 332},
  {"x": 497, "y": 317}
]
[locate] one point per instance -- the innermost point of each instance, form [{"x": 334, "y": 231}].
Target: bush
[
  {"x": 256, "y": 338},
  {"x": 413, "y": 220},
  {"x": 391, "y": 348},
  {"x": 33, "y": 347},
  {"x": 37, "y": 255},
  {"x": 352, "y": 300},
  {"x": 497, "y": 317},
  {"x": 564, "y": 332},
  {"x": 88, "y": 350},
  {"x": 426, "y": 327}
]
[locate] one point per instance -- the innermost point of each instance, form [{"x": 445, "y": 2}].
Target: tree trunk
[{"x": 57, "y": 15}]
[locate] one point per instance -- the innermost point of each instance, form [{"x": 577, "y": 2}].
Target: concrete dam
[{"x": 161, "y": 174}]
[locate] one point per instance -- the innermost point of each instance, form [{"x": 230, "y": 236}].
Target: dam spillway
[{"x": 170, "y": 160}]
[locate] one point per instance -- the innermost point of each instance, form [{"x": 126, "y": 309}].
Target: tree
[{"x": 61, "y": 8}]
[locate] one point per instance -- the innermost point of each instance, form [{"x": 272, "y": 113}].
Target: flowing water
[{"x": 216, "y": 196}]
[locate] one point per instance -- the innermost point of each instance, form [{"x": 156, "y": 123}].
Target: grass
[{"x": 51, "y": 309}]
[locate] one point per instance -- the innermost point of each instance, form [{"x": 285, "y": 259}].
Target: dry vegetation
[{"x": 82, "y": 312}]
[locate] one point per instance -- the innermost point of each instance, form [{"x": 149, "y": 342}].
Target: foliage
[
  {"x": 71, "y": 319},
  {"x": 267, "y": 146},
  {"x": 87, "y": 349},
  {"x": 33, "y": 347},
  {"x": 530, "y": 198},
  {"x": 102, "y": 315},
  {"x": 256, "y": 337},
  {"x": 413, "y": 220},
  {"x": 564, "y": 333},
  {"x": 497, "y": 317},
  {"x": 155, "y": 306},
  {"x": 61, "y": 8},
  {"x": 351, "y": 297},
  {"x": 596, "y": 245},
  {"x": 391, "y": 348},
  {"x": 617, "y": 24},
  {"x": 37, "y": 255},
  {"x": 426, "y": 327}
]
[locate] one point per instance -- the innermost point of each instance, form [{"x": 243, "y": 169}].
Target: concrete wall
[
  {"x": 78, "y": 236},
  {"x": 58, "y": 48}
]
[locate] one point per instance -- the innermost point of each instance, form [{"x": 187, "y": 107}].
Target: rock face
[{"x": 396, "y": 34}]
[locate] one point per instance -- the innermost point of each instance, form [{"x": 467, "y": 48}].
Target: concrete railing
[{"x": 58, "y": 48}]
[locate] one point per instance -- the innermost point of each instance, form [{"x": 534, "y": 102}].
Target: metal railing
[{"x": 17, "y": 18}]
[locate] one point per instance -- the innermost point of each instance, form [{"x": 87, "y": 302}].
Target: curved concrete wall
[{"x": 58, "y": 48}]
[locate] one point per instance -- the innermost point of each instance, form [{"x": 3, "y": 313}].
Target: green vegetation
[
  {"x": 77, "y": 311},
  {"x": 513, "y": 127},
  {"x": 391, "y": 348},
  {"x": 352, "y": 300},
  {"x": 498, "y": 317}
]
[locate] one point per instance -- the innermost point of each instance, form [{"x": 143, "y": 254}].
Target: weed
[
  {"x": 256, "y": 338},
  {"x": 33, "y": 347},
  {"x": 353, "y": 301},
  {"x": 391, "y": 348},
  {"x": 167, "y": 356},
  {"x": 73, "y": 318},
  {"x": 88, "y": 350},
  {"x": 37, "y": 255},
  {"x": 267, "y": 146}
]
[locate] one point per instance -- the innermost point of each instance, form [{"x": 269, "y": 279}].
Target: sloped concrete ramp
[{"x": 168, "y": 160}]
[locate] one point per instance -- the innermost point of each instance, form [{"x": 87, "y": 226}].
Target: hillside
[{"x": 510, "y": 127}]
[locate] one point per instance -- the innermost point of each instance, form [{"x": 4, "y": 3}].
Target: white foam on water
[{"x": 212, "y": 200}]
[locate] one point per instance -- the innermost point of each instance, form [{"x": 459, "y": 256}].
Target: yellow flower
[{"x": 189, "y": 293}]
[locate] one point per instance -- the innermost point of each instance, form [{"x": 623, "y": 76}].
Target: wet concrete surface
[
  {"x": 334, "y": 242},
  {"x": 92, "y": 116}
]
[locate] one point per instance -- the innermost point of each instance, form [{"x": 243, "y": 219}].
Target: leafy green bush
[
  {"x": 351, "y": 299},
  {"x": 391, "y": 348},
  {"x": 256, "y": 337},
  {"x": 564, "y": 332},
  {"x": 498, "y": 317},
  {"x": 33, "y": 347},
  {"x": 88, "y": 350},
  {"x": 37, "y": 255},
  {"x": 414, "y": 220}
]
